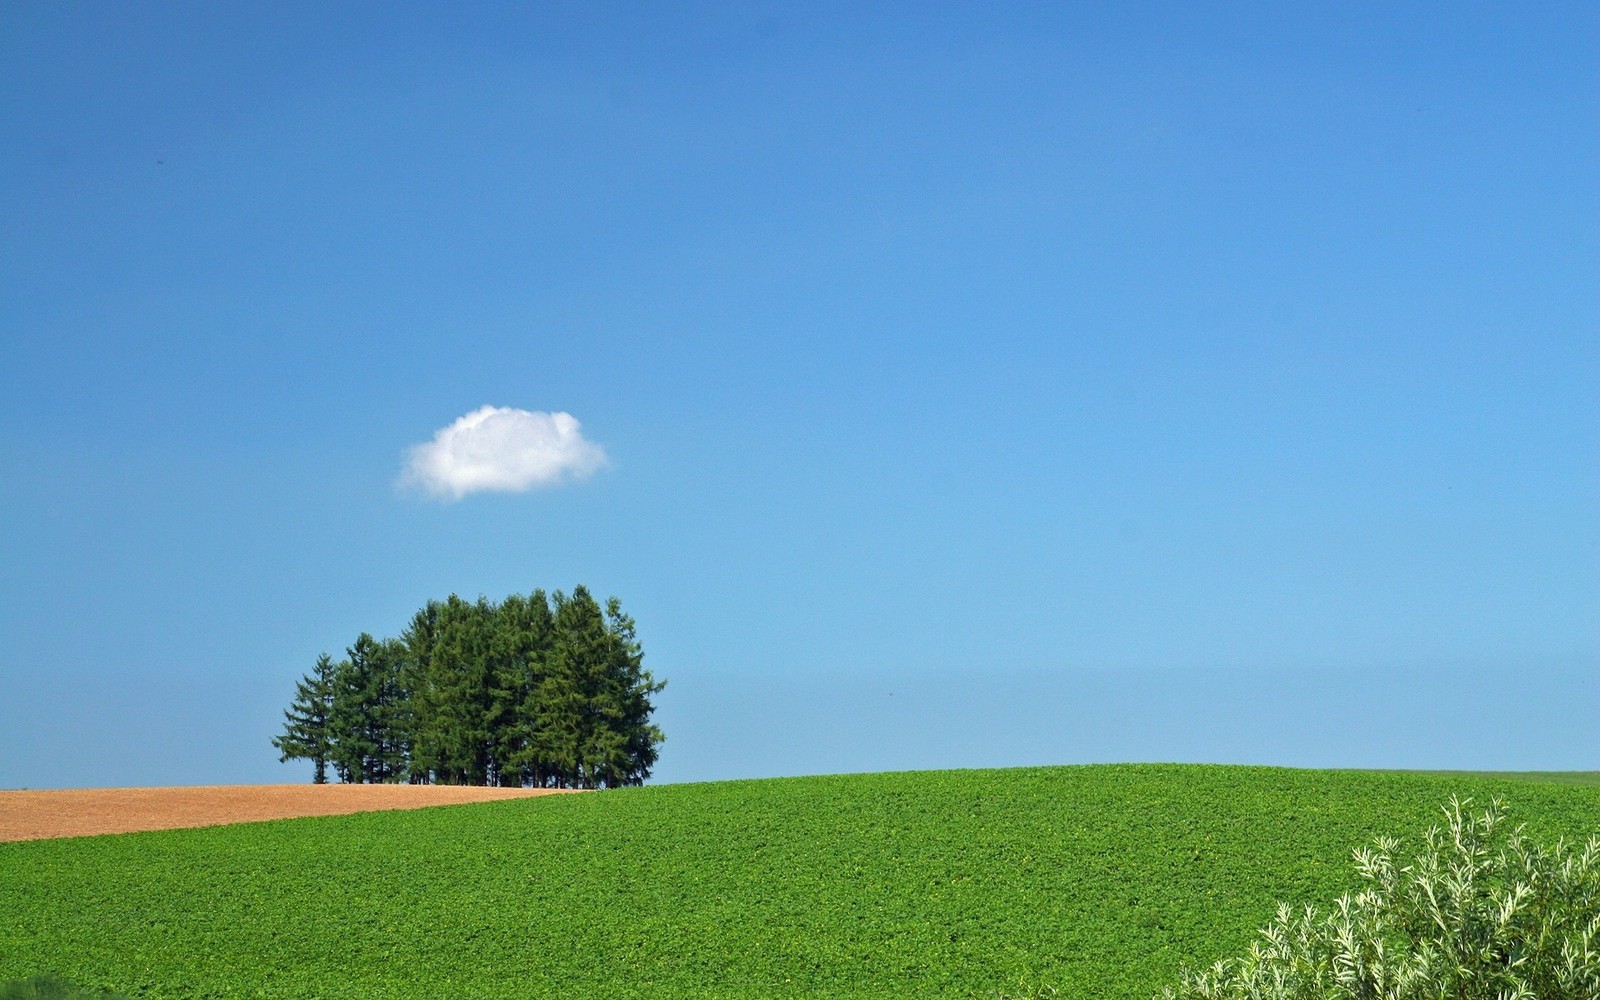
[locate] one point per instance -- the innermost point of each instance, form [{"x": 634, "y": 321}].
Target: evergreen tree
[
  {"x": 591, "y": 715},
  {"x": 522, "y": 636},
  {"x": 419, "y": 640},
  {"x": 387, "y": 715},
  {"x": 626, "y": 705},
  {"x": 305, "y": 731},
  {"x": 456, "y": 698},
  {"x": 560, "y": 707},
  {"x": 349, "y": 733},
  {"x": 540, "y": 691}
]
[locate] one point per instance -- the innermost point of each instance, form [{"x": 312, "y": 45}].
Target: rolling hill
[{"x": 1100, "y": 880}]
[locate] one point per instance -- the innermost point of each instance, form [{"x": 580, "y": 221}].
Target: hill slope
[{"x": 1100, "y": 880}]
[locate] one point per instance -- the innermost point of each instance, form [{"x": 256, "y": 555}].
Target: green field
[{"x": 1100, "y": 880}]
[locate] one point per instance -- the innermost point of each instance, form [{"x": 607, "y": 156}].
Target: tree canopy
[{"x": 548, "y": 692}]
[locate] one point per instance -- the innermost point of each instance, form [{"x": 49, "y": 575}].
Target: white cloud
[{"x": 500, "y": 448}]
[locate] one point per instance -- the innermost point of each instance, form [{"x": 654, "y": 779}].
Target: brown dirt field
[{"x": 80, "y": 812}]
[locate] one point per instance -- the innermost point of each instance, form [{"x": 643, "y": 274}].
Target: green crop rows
[{"x": 1098, "y": 880}]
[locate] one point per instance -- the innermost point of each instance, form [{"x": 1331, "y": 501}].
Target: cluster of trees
[{"x": 530, "y": 691}]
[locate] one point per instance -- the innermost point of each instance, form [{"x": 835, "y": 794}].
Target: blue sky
[{"x": 957, "y": 386}]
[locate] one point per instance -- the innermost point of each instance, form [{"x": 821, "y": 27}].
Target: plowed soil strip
[{"x": 80, "y": 812}]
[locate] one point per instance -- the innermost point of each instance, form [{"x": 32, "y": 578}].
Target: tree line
[{"x": 530, "y": 691}]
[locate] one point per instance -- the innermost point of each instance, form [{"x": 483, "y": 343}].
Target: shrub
[{"x": 1479, "y": 913}]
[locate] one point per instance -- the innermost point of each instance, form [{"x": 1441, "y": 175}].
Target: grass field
[
  {"x": 1100, "y": 880},
  {"x": 1558, "y": 777}
]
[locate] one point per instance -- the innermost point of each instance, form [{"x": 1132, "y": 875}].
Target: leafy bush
[{"x": 1480, "y": 913}]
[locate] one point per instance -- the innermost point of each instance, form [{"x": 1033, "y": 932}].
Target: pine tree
[
  {"x": 351, "y": 749},
  {"x": 305, "y": 731},
  {"x": 590, "y": 716},
  {"x": 537, "y": 691},
  {"x": 626, "y": 703},
  {"x": 561, "y": 709},
  {"x": 385, "y": 704},
  {"x": 523, "y": 633},
  {"x": 456, "y": 698},
  {"x": 419, "y": 640}
]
